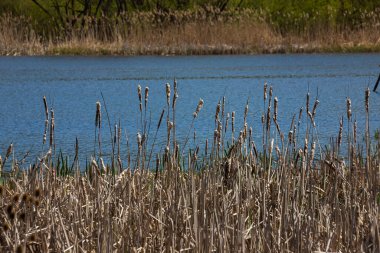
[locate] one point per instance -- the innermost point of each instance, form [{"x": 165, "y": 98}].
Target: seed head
[
  {"x": 167, "y": 93},
  {"x": 146, "y": 95},
  {"x": 98, "y": 117},
  {"x": 367, "y": 92},
  {"x": 349, "y": 113},
  {"x": 265, "y": 91},
  {"x": 199, "y": 107}
]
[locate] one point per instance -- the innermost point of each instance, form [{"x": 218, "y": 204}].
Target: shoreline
[{"x": 194, "y": 51}]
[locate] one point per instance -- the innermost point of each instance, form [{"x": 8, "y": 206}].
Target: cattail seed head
[
  {"x": 233, "y": 121},
  {"x": 349, "y": 113},
  {"x": 355, "y": 130},
  {"x": 340, "y": 135},
  {"x": 146, "y": 95},
  {"x": 98, "y": 117},
  {"x": 275, "y": 108},
  {"x": 316, "y": 103},
  {"x": 226, "y": 125},
  {"x": 217, "y": 111},
  {"x": 139, "y": 141},
  {"x": 167, "y": 93},
  {"x": 367, "y": 92},
  {"x": 199, "y": 107},
  {"x": 290, "y": 136},
  {"x": 270, "y": 92},
  {"x": 265, "y": 91},
  {"x": 307, "y": 102},
  {"x": 140, "y": 96},
  {"x": 139, "y": 92}
]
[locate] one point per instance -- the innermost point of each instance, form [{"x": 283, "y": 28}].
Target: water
[{"x": 72, "y": 86}]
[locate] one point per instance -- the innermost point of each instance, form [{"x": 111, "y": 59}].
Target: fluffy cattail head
[
  {"x": 167, "y": 93},
  {"x": 139, "y": 140},
  {"x": 139, "y": 92},
  {"x": 307, "y": 102},
  {"x": 265, "y": 91},
  {"x": 349, "y": 113},
  {"x": 275, "y": 108},
  {"x": 340, "y": 135},
  {"x": 199, "y": 107}
]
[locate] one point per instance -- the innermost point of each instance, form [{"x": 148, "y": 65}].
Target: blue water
[{"x": 72, "y": 86}]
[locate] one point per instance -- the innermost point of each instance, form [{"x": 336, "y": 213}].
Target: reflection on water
[{"x": 74, "y": 84}]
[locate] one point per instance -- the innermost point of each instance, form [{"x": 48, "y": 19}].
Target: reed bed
[
  {"x": 201, "y": 31},
  {"x": 284, "y": 194}
]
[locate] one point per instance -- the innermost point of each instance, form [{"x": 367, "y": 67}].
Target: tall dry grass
[
  {"x": 284, "y": 194},
  {"x": 204, "y": 31}
]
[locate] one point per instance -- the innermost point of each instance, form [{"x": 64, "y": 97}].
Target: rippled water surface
[{"x": 72, "y": 86}]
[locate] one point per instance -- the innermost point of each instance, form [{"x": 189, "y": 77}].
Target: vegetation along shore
[
  {"x": 283, "y": 193},
  {"x": 187, "y": 27}
]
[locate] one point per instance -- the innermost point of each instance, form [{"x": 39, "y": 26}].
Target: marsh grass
[
  {"x": 201, "y": 31},
  {"x": 288, "y": 196}
]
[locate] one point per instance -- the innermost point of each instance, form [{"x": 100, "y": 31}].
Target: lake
[{"x": 73, "y": 85}]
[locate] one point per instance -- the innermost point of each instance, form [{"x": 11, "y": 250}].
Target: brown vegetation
[
  {"x": 228, "y": 196},
  {"x": 185, "y": 33}
]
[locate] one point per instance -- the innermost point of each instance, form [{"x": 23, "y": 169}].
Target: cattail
[
  {"x": 139, "y": 141},
  {"x": 268, "y": 118},
  {"x": 314, "y": 108},
  {"x": 290, "y": 136},
  {"x": 206, "y": 146},
  {"x": 52, "y": 125},
  {"x": 305, "y": 149},
  {"x": 275, "y": 108},
  {"x": 103, "y": 168},
  {"x": 167, "y": 93},
  {"x": 246, "y": 112},
  {"x": 340, "y": 132},
  {"x": 270, "y": 92},
  {"x": 307, "y": 102},
  {"x": 146, "y": 96},
  {"x": 233, "y": 121},
  {"x": 265, "y": 91},
  {"x": 312, "y": 153},
  {"x": 98, "y": 117},
  {"x": 140, "y": 96},
  {"x": 262, "y": 118},
  {"x": 199, "y": 107},
  {"x": 367, "y": 92},
  {"x": 175, "y": 94},
  {"x": 226, "y": 125},
  {"x": 300, "y": 115},
  {"x": 223, "y": 105},
  {"x": 170, "y": 125},
  {"x": 217, "y": 111},
  {"x": 349, "y": 113},
  {"x": 355, "y": 130},
  {"x": 46, "y": 120}
]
